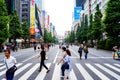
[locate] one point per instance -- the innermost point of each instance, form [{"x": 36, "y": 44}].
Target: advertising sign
[
  {"x": 77, "y": 11},
  {"x": 32, "y": 18}
]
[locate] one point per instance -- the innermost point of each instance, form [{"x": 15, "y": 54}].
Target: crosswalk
[{"x": 88, "y": 71}]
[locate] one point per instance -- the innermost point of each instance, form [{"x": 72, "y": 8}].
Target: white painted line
[
  {"x": 112, "y": 67},
  {"x": 29, "y": 58},
  {"x": 3, "y": 72},
  {"x": 2, "y": 67},
  {"x": 72, "y": 75},
  {"x": 29, "y": 73},
  {"x": 1, "y": 64},
  {"x": 56, "y": 73},
  {"x": 22, "y": 68},
  {"x": 98, "y": 73},
  {"x": 74, "y": 53},
  {"x": 117, "y": 65},
  {"x": 43, "y": 73},
  {"x": 84, "y": 73},
  {"x": 109, "y": 71},
  {"x": 56, "y": 57}
]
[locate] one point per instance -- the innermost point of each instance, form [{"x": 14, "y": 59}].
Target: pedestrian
[
  {"x": 86, "y": 51},
  {"x": 80, "y": 50},
  {"x": 68, "y": 61},
  {"x": 10, "y": 63},
  {"x": 43, "y": 56},
  {"x": 118, "y": 53},
  {"x": 114, "y": 49},
  {"x": 62, "y": 61}
]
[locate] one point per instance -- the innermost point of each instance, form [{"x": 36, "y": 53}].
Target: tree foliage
[
  {"x": 112, "y": 19},
  {"x": 48, "y": 38},
  {"x": 15, "y": 28},
  {"x": 96, "y": 28},
  {"x": 25, "y": 30},
  {"x": 4, "y": 22}
]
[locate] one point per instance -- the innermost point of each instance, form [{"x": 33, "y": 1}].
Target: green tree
[
  {"x": 90, "y": 36},
  {"x": 25, "y": 30},
  {"x": 96, "y": 28},
  {"x": 15, "y": 28},
  {"x": 112, "y": 21},
  {"x": 4, "y": 22}
]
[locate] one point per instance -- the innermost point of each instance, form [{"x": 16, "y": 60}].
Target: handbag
[
  {"x": 12, "y": 69},
  {"x": 66, "y": 65}
]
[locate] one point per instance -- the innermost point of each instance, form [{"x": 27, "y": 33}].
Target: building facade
[
  {"x": 10, "y": 6},
  {"x": 24, "y": 11},
  {"x": 90, "y": 7}
]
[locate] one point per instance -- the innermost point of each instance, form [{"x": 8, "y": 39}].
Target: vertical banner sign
[{"x": 32, "y": 18}]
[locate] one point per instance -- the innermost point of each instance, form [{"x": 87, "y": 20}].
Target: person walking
[
  {"x": 43, "y": 56},
  {"x": 68, "y": 61},
  {"x": 80, "y": 50},
  {"x": 10, "y": 63},
  {"x": 62, "y": 61},
  {"x": 86, "y": 51}
]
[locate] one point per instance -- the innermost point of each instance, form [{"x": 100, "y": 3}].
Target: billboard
[
  {"x": 77, "y": 11},
  {"x": 32, "y": 18}
]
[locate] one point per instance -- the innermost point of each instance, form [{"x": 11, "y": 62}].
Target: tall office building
[
  {"x": 25, "y": 11},
  {"x": 10, "y": 6}
]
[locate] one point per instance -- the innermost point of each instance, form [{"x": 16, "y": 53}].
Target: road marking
[
  {"x": 98, "y": 73},
  {"x": 22, "y": 68},
  {"x": 85, "y": 74},
  {"x": 72, "y": 75},
  {"x": 29, "y": 58},
  {"x": 3, "y": 72},
  {"x": 109, "y": 71},
  {"x": 74, "y": 52},
  {"x": 117, "y": 65},
  {"x": 43, "y": 73},
  {"x": 1, "y": 64},
  {"x": 93, "y": 57},
  {"x": 56, "y": 74},
  {"x": 2, "y": 67},
  {"x": 116, "y": 69},
  {"x": 56, "y": 57},
  {"x": 29, "y": 73}
]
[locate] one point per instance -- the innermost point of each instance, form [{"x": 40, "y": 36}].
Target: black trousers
[
  {"x": 80, "y": 53},
  {"x": 9, "y": 76},
  {"x": 63, "y": 70},
  {"x": 43, "y": 64}
]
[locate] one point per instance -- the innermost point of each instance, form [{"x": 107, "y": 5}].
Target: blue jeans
[
  {"x": 86, "y": 55},
  {"x": 9, "y": 76}
]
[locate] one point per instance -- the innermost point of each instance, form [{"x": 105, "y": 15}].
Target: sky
[{"x": 60, "y": 12}]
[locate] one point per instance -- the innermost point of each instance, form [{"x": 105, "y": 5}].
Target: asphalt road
[{"x": 99, "y": 65}]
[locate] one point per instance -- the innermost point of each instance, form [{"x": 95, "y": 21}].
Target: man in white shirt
[{"x": 9, "y": 62}]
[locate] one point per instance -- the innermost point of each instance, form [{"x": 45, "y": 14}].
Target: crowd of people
[{"x": 65, "y": 60}]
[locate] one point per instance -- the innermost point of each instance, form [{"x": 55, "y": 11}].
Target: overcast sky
[{"x": 60, "y": 12}]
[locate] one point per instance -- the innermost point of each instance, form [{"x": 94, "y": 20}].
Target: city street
[{"x": 99, "y": 65}]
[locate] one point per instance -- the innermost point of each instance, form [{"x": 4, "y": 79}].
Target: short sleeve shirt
[{"x": 11, "y": 61}]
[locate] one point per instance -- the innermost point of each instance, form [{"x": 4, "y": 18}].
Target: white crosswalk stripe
[
  {"x": 42, "y": 74},
  {"x": 98, "y": 73},
  {"x": 1, "y": 64},
  {"x": 2, "y": 67},
  {"x": 84, "y": 73},
  {"x": 30, "y": 69},
  {"x": 22, "y": 68},
  {"x": 56, "y": 74},
  {"x": 117, "y": 65},
  {"x": 28, "y": 74},
  {"x": 112, "y": 67},
  {"x": 109, "y": 71},
  {"x": 3, "y": 72}
]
